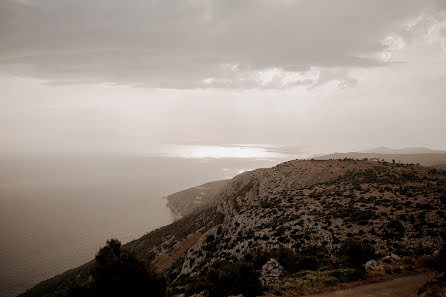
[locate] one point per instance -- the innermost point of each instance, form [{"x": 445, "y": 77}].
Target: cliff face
[{"x": 303, "y": 205}]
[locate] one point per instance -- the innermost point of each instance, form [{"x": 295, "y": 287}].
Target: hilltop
[
  {"x": 405, "y": 150},
  {"x": 437, "y": 160},
  {"x": 279, "y": 228}
]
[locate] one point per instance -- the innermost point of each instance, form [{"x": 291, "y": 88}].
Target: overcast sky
[{"x": 134, "y": 76}]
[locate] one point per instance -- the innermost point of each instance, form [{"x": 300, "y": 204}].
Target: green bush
[
  {"x": 306, "y": 279},
  {"x": 117, "y": 272},
  {"x": 396, "y": 226},
  {"x": 345, "y": 275},
  {"x": 354, "y": 253},
  {"x": 308, "y": 263},
  {"x": 224, "y": 279},
  {"x": 175, "y": 268}
]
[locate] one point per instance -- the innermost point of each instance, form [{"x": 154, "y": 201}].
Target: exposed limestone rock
[
  {"x": 391, "y": 258},
  {"x": 387, "y": 259},
  {"x": 201, "y": 294},
  {"x": 271, "y": 272},
  {"x": 395, "y": 257},
  {"x": 370, "y": 265}
]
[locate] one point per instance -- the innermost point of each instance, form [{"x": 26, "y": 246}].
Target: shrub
[
  {"x": 117, "y": 272},
  {"x": 175, "y": 268},
  {"x": 396, "y": 226},
  {"x": 345, "y": 275},
  {"x": 308, "y": 263},
  {"x": 428, "y": 261},
  {"x": 288, "y": 259},
  {"x": 304, "y": 280},
  {"x": 355, "y": 253},
  {"x": 394, "y": 230},
  {"x": 232, "y": 279},
  {"x": 293, "y": 262}
]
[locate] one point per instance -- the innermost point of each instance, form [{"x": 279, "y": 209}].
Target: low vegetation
[{"x": 118, "y": 273}]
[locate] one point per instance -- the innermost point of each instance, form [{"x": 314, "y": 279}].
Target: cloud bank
[{"x": 186, "y": 44}]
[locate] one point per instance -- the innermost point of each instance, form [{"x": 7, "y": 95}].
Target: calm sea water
[{"x": 56, "y": 211}]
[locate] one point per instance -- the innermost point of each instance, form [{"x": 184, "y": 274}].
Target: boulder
[
  {"x": 370, "y": 265},
  {"x": 395, "y": 257},
  {"x": 387, "y": 259},
  {"x": 272, "y": 272},
  {"x": 391, "y": 258}
]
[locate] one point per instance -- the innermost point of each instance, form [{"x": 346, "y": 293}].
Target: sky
[{"x": 153, "y": 77}]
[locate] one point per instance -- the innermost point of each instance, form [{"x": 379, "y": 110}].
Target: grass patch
[{"x": 308, "y": 280}]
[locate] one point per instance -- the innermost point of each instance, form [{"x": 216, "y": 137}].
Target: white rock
[
  {"x": 387, "y": 259},
  {"x": 395, "y": 257},
  {"x": 370, "y": 265}
]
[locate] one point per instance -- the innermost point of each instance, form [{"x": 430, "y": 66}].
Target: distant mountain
[
  {"x": 299, "y": 221},
  {"x": 407, "y": 150},
  {"x": 437, "y": 160}
]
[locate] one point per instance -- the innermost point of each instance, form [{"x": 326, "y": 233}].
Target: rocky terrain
[
  {"x": 308, "y": 204},
  {"x": 297, "y": 223},
  {"x": 187, "y": 201}
]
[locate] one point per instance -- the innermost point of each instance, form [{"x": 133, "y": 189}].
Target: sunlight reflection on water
[{"x": 230, "y": 151}]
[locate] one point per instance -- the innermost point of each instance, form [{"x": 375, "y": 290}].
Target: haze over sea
[{"x": 56, "y": 210}]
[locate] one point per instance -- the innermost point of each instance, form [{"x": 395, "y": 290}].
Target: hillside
[
  {"x": 185, "y": 202},
  {"x": 307, "y": 215}
]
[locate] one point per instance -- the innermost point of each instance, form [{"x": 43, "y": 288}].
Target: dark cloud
[{"x": 197, "y": 43}]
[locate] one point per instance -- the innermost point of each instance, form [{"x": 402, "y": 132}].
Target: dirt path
[{"x": 400, "y": 287}]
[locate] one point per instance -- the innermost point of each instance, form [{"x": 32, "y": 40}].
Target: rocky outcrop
[
  {"x": 371, "y": 265},
  {"x": 272, "y": 273},
  {"x": 391, "y": 258}
]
